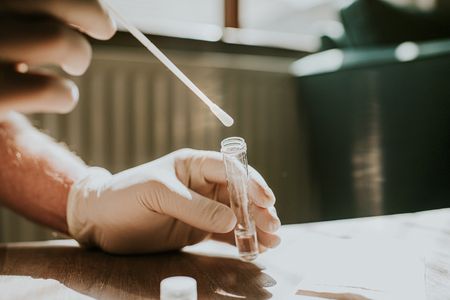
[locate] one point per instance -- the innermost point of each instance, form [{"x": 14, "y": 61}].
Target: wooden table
[{"x": 276, "y": 274}]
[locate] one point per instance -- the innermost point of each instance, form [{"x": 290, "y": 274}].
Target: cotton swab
[{"x": 226, "y": 119}]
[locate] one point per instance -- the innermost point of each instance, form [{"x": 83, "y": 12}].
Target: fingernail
[
  {"x": 275, "y": 225},
  {"x": 71, "y": 97},
  {"x": 269, "y": 193},
  {"x": 277, "y": 243},
  {"x": 231, "y": 223},
  {"x": 113, "y": 26},
  {"x": 74, "y": 91}
]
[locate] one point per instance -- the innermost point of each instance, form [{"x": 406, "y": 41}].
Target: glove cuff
[{"x": 80, "y": 204}]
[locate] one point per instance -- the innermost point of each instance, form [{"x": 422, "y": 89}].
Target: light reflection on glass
[{"x": 367, "y": 155}]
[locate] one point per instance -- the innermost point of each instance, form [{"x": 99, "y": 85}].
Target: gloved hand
[
  {"x": 36, "y": 33},
  {"x": 177, "y": 200}
]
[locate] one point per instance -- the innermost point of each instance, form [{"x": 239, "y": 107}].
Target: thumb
[{"x": 200, "y": 212}]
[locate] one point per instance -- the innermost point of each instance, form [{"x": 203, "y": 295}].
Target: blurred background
[{"x": 344, "y": 104}]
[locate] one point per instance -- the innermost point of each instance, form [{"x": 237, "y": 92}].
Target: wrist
[
  {"x": 14, "y": 122},
  {"x": 82, "y": 204}
]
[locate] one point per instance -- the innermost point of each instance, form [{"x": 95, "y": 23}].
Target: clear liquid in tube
[{"x": 247, "y": 244}]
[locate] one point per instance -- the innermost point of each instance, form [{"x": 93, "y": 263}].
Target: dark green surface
[
  {"x": 395, "y": 117},
  {"x": 374, "y": 23}
]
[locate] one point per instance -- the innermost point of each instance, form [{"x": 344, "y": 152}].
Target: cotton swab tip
[{"x": 225, "y": 118}]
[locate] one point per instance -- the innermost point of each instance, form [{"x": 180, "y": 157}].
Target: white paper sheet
[
  {"x": 363, "y": 269},
  {"x": 25, "y": 287}
]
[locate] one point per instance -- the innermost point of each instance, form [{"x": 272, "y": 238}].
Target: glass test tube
[{"x": 234, "y": 150}]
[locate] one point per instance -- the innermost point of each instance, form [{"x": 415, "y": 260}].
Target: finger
[
  {"x": 200, "y": 212},
  {"x": 88, "y": 16},
  {"x": 31, "y": 93},
  {"x": 207, "y": 167},
  {"x": 44, "y": 40},
  {"x": 203, "y": 172},
  {"x": 268, "y": 240},
  {"x": 266, "y": 219},
  {"x": 261, "y": 248},
  {"x": 260, "y": 192},
  {"x": 204, "y": 166}
]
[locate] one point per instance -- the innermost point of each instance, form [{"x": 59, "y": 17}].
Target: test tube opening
[
  {"x": 234, "y": 150},
  {"x": 233, "y": 145}
]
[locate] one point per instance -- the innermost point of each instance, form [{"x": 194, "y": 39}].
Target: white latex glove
[{"x": 177, "y": 200}]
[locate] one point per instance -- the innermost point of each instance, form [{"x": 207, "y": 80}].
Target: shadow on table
[{"x": 105, "y": 276}]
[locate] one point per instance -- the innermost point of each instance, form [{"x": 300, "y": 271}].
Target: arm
[
  {"x": 36, "y": 173},
  {"x": 177, "y": 200}
]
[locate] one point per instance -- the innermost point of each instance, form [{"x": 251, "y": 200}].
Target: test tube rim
[{"x": 233, "y": 145}]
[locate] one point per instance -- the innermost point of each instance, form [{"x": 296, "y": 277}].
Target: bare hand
[{"x": 46, "y": 32}]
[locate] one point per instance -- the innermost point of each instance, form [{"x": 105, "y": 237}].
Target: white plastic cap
[{"x": 179, "y": 288}]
